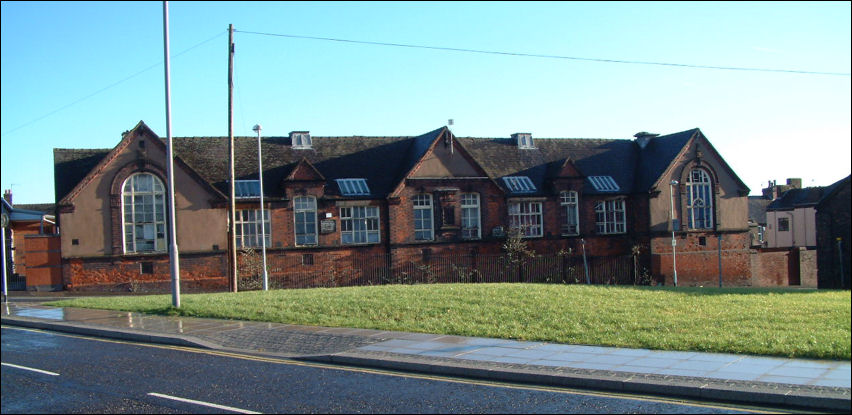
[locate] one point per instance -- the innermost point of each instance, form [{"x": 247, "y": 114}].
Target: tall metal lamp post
[
  {"x": 672, "y": 184},
  {"x": 257, "y": 128}
]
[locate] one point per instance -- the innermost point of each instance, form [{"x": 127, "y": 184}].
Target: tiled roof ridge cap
[
  {"x": 287, "y": 137},
  {"x": 547, "y": 138}
]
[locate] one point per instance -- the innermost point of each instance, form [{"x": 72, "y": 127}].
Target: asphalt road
[{"x": 45, "y": 372}]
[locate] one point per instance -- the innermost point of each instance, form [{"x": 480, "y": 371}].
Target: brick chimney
[
  {"x": 794, "y": 183},
  {"x": 7, "y": 195},
  {"x": 643, "y": 138}
]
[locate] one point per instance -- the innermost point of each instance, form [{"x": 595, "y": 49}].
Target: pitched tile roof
[
  {"x": 794, "y": 198},
  {"x": 757, "y": 208},
  {"x": 70, "y": 166},
  {"x": 376, "y": 159},
  {"x": 593, "y": 157},
  {"x": 46, "y": 208},
  {"x": 386, "y": 161}
]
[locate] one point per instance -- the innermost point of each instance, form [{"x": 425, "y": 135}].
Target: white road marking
[
  {"x": 31, "y": 369},
  {"x": 208, "y": 404}
]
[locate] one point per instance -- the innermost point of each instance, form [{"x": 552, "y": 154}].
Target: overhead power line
[
  {"x": 534, "y": 55},
  {"x": 107, "y": 87}
]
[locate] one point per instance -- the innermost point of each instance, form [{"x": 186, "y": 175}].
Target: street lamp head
[{"x": 257, "y": 128}]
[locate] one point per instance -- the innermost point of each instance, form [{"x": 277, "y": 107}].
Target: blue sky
[{"x": 78, "y": 74}]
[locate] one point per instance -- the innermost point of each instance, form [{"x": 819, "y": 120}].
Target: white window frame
[
  {"x": 146, "y": 216},
  {"x": 360, "y": 225},
  {"x": 470, "y": 218},
  {"x": 305, "y": 210},
  {"x": 699, "y": 200},
  {"x": 570, "y": 202},
  {"x": 424, "y": 217},
  {"x": 528, "y": 217},
  {"x": 246, "y": 226},
  {"x": 611, "y": 216}
]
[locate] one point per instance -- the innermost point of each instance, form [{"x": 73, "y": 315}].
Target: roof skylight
[
  {"x": 519, "y": 184},
  {"x": 604, "y": 183},
  {"x": 353, "y": 187},
  {"x": 246, "y": 188}
]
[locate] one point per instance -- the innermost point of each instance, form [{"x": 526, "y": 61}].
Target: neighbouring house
[
  {"x": 757, "y": 208},
  {"x": 332, "y": 200},
  {"x": 833, "y": 235},
  {"x": 32, "y": 251},
  {"x": 791, "y": 218}
]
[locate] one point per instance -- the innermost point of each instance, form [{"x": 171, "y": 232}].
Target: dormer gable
[
  {"x": 445, "y": 158},
  {"x": 568, "y": 170},
  {"x": 304, "y": 171}
]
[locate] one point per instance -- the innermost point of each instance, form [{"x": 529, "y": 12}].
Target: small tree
[
  {"x": 250, "y": 269},
  {"x": 516, "y": 249}
]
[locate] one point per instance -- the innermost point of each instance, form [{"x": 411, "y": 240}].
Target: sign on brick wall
[{"x": 327, "y": 226}]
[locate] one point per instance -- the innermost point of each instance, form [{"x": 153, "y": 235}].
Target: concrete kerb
[
  {"x": 110, "y": 333},
  {"x": 662, "y": 385},
  {"x": 668, "y": 385}
]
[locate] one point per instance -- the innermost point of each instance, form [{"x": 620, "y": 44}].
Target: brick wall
[
  {"x": 784, "y": 267},
  {"x": 148, "y": 273},
  {"x": 698, "y": 260},
  {"x": 44, "y": 263}
]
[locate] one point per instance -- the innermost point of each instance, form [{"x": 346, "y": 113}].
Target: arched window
[
  {"x": 144, "y": 208},
  {"x": 699, "y": 199}
]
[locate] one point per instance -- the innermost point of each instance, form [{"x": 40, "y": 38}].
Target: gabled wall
[{"x": 92, "y": 222}]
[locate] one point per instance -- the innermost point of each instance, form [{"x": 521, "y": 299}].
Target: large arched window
[
  {"x": 144, "y": 213},
  {"x": 699, "y": 199}
]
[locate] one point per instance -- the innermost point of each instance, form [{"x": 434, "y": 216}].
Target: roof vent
[
  {"x": 643, "y": 138},
  {"x": 300, "y": 139},
  {"x": 524, "y": 140}
]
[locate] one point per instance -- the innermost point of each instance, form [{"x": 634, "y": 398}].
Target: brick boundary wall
[{"x": 146, "y": 273}]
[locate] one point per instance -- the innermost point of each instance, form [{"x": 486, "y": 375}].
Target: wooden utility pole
[{"x": 232, "y": 218}]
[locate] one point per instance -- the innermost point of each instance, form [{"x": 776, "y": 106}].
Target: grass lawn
[{"x": 780, "y": 322}]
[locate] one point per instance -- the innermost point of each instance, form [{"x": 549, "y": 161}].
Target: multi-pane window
[
  {"x": 250, "y": 228},
  {"x": 783, "y": 224},
  {"x": 526, "y": 216},
  {"x": 699, "y": 201},
  {"x": 359, "y": 225},
  {"x": 610, "y": 217},
  {"x": 568, "y": 201},
  {"x": 305, "y": 216},
  {"x": 423, "y": 218},
  {"x": 144, "y": 209},
  {"x": 470, "y": 216}
]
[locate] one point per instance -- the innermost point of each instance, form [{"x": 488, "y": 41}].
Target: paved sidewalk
[{"x": 812, "y": 384}]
